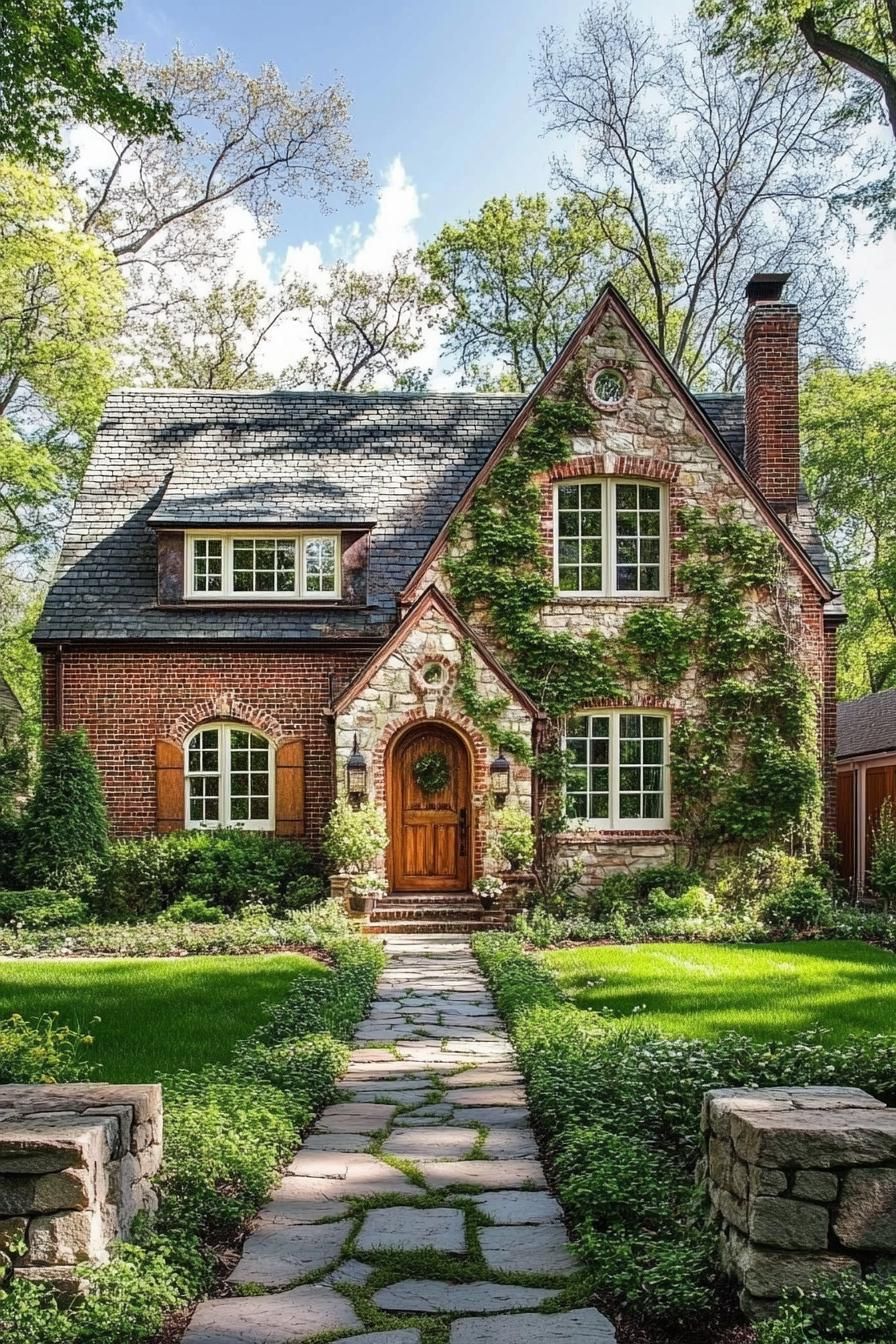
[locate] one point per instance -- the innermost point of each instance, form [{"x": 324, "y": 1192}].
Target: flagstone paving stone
[
  {"x": 587, "y": 1326},
  {"x": 401, "y": 1229},
  {"x": 429, "y": 1296},
  {"x": 447, "y": 1086}
]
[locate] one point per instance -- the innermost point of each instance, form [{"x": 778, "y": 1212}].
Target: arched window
[{"x": 229, "y": 778}]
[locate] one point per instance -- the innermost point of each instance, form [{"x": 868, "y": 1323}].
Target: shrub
[
  {"x": 839, "y": 1310},
  {"x": 225, "y": 868},
  {"x": 41, "y": 909},
  {"x": 42, "y": 1051},
  {"x": 671, "y": 878},
  {"x": 804, "y": 904},
  {"x": 354, "y": 838},
  {"x": 191, "y": 910},
  {"x": 616, "y": 893},
  {"x": 882, "y": 873},
  {"x": 760, "y": 875},
  {"x": 514, "y": 837},
  {"x": 10, "y": 831},
  {"x": 694, "y": 903},
  {"x": 64, "y": 825}
]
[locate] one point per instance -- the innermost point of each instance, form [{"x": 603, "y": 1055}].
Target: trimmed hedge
[
  {"x": 227, "y": 1133},
  {"x": 618, "y": 1108}
]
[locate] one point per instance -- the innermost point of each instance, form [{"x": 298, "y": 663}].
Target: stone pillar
[
  {"x": 801, "y": 1183},
  {"x": 76, "y": 1164}
]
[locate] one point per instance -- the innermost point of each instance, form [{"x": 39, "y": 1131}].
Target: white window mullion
[
  {"x": 225, "y": 776},
  {"x": 614, "y": 772}
]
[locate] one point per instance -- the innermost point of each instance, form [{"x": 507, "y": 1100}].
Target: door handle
[{"x": 462, "y": 826}]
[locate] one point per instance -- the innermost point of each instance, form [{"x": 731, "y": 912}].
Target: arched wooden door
[{"x": 429, "y": 830}]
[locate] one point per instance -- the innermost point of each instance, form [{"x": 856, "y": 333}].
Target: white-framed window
[
  {"x": 618, "y": 777},
  {"x": 229, "y": 778},
  {"x": 261, "y": 566},
  {"x": 610, "y": 538}
]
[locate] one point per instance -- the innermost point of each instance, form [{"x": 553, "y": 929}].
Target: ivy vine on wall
[{"x": 745, "y": 768}]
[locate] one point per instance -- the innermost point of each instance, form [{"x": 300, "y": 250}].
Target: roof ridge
[{"x": 390, "y": 394}]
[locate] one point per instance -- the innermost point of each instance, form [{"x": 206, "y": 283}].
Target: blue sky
[{"x": 444, "y": 87}]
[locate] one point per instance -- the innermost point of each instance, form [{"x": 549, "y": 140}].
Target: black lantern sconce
[
  {"x": 356, "y": 773},
  {"x": 499, "y": 774}
]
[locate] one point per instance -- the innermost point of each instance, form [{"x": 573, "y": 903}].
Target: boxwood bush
[
  {"x": 618, "y": 1108},
  {"x": 227, "y": 1132}
]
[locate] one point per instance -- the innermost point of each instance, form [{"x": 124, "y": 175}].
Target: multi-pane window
[
  {"x": 237, "y": 565},
  {"x": 229, "y": 778},
  {"x": 320, "y": 564},
  {"x": 618, "y": 772},
  {"x": 609, "y": 537},
  {"x": 264, "y": 565}
]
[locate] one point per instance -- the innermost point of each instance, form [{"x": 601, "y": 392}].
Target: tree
[
  {"x": 206, "y": 340},
  {"x": 718, "y": 172},
  {"x": 513, "y": 282},
  {"x": 53, "y": 70},
  {"x": 362, "y": 326},
  {"x": 64, "y": 826},
  {"x": 850, "y": 470},
  {"x": 60, "y": 313},
  {"x": 158, "y": 203},
  {"x": 852, "y": 41}
]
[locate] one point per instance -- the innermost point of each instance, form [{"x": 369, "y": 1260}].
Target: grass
[
  {"x": 155, "y": 1015},
  {"x": 687, "y": 989}
]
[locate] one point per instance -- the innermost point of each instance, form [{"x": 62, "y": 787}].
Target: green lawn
[
  {"x": 688, "y": 989},
  {"x": 156, "y": 1014}
]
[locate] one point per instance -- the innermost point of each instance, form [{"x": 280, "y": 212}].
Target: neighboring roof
[
  {"x": 866, "y": 727},
  {"x": 432, "y": 597},
  {"x": 399, "y": 459}
]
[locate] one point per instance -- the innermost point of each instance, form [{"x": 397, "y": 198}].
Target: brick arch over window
[
  {"x": 615, "y": 464},
  {"x": 226, "y": 706},
  {"x": 479, "y": 752}
]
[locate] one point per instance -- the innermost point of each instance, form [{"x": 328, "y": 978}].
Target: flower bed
[{"x": 618, "y": 1110}]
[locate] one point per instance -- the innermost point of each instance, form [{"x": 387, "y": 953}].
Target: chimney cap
[{"x": 766, "y": 286}]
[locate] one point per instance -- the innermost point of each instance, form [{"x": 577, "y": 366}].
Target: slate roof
[
  {"x": 172, "y": 457},
  {"x": 866, "y": 727}
]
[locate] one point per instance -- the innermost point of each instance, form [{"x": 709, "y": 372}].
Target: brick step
[
  {"x": 437, "y": 898},
  {"x": 390, "y": 911},
  {"x": 436, "y": 926}
]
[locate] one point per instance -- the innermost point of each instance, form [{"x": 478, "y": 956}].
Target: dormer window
[
  {"x": 272, "y": 566},
  {"x": 610, "y": 538}
]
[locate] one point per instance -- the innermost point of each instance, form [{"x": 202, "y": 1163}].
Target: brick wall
[
  {"x": 126, "y": 699},
  {"x": 771, "y": 348}
]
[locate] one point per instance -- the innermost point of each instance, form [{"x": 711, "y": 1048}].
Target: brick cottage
[{"x": 255, "y": 585}]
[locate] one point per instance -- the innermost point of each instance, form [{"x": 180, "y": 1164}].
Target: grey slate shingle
[
  {"x": 866, "y": 726},
  {"x": 398, "y": 460}
]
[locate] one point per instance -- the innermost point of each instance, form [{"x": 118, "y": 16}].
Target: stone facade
[
  {"x": 76, "y": 1165},
  {"x": 801, "y": 1183},
  {"x": 656, "y": 436},
  {"x": 395, "y": 693}
]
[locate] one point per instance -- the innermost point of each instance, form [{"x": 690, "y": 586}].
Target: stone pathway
[{"x": 417, "y": 1209}]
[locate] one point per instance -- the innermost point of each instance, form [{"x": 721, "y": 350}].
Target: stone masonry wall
[
  {"x": 398, "y": 694},
  {"x": 654, "y": 436},
  {"x": 801, "y": 1183},
  {"x": 76, "y": 1165}
]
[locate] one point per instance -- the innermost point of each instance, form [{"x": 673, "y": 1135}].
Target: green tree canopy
[
  {"x": 854, "y": 41},
  {"x": 53, "y": 71},
  {"x": 850, "y": 468},
  {"x": 515, "y": 280},
  {"x": 64, "y": 826},
  {"x": 60, "y": 313}
]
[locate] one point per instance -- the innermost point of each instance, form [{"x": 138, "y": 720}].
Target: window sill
[
  {"x": 262, "y": 604},
  {"x": 660, "y": 835},
  {"x": 602, "y": 599}
]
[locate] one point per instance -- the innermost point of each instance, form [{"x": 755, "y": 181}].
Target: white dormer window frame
[
  {"x": 262, "y": 566},
  {"x": 604, "y": 547}
]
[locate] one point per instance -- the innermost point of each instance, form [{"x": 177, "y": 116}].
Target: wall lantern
[
  {"x": 356, "y": 772},
  {"x": 499, "y": 774}
]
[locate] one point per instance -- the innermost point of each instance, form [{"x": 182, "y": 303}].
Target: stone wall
[
  {"x": 801, "y": 1183},
  {"x": 76, "y": 1164}
]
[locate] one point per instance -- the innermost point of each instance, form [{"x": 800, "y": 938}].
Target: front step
[
  {"x": 458, "y": 926},
  {"x": 432, "y": 912}
]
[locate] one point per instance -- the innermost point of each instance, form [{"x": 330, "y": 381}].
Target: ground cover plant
[
  {"x": 767, "y": 991},
  {"x": 228, "y": 1129},
  {"x": 155, "y": 1015},
  {"x": 617, "y": 1106}
]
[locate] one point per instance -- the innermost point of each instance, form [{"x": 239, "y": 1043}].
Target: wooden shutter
[
  {"x": 169, "y": 786},
  {"x": 290, "y": 788},
  {"x": 846, "y": 825}
]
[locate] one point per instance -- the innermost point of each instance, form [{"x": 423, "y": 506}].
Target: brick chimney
[{"x": 771, "y": 345}]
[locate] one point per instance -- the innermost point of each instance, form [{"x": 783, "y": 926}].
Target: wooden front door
[{"x": 430, "y": 830}]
